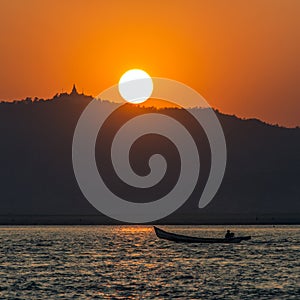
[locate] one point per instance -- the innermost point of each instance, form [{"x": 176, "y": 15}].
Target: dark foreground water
[{"x": 125, "y": 262}]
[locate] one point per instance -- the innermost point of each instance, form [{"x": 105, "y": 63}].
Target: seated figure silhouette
[{"x": 229, "y": 235}]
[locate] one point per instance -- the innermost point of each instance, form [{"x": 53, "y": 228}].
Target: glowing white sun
[{"x": 135, "y": 86}]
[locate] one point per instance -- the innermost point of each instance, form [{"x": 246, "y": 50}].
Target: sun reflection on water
[{"x": 135, "y": 229}]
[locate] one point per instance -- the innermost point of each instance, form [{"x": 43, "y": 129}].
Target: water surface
[{"x": 129, "y": 262}]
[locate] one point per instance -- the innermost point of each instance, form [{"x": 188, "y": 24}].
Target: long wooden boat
[{"x": 189, "y": 239}]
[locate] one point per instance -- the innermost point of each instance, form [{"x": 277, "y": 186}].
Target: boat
[{"x": 189, "y": 239}]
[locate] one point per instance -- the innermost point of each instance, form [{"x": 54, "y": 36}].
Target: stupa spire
[{"x": 74, "y": 90}]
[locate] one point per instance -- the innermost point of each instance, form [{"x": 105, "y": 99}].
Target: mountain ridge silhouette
[{"x": 261, "y": 183}]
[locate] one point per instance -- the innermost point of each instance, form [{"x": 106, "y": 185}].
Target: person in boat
[{"x": 229, "y": 235}]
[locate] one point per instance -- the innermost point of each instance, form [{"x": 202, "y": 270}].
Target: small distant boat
[{"x": 189, "y": 239}]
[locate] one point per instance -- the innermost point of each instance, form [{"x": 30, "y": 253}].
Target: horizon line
[{"x": 35, "y": 99}]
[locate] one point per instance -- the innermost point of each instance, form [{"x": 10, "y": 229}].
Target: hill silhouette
[{"x": 38, "y": 186}]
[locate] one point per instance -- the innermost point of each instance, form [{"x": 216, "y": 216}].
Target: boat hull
[{"x": 189, "y": 239}]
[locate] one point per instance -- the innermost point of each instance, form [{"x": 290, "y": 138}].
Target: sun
[{"x": 135, "y": 86}]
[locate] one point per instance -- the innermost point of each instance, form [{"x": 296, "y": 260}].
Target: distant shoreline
[
  {"x": 72, "y": 220},
  {"x": 179, "y": 224}
]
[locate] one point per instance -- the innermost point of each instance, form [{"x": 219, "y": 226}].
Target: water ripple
[{"x": 129, "y": 262}]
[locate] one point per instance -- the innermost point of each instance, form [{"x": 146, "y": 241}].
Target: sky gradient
[{"x": 242, "y": 56}]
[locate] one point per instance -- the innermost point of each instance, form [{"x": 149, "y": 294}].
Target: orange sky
[{"x": 242, "y": 56}]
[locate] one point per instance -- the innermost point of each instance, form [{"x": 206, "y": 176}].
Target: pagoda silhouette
[
  {"x": 74, "y": 91},
  {"x": 73, "y": 94}
]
